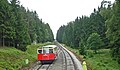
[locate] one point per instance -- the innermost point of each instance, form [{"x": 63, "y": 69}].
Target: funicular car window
[
  {"x": 45, "y": 50},
  {"x": 50, "y": 50},
  {"x": 39, "y": 51}
]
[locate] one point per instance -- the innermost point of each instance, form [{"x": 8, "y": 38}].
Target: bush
[{"x": 94, "y": 42}]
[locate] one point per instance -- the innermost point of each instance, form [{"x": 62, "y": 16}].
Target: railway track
[
  {"x": 44, "y": 67},
  {"x": 65, "y": 61},
  {"x": 69, "y": 63},
  {"x": 40, "y": 66}
]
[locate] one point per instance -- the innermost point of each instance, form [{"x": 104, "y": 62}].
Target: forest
[
  {"x": 100, "y": 30},
  {"x": 20, "y": 27}
]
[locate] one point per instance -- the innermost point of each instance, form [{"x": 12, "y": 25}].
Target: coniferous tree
[
  {"x": 19, "y": 27},
  {"x": 7, "y": 31},
  {"x": 113, "y": 30}
]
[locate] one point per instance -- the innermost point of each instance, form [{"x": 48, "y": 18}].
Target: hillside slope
[{"x": 14, "y": 59}]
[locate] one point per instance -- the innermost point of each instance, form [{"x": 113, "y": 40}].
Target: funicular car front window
[
  {"x": 39, "y": 51},
  {"x": 50, "y": 50},
  {"x": 45, "y": 50}
]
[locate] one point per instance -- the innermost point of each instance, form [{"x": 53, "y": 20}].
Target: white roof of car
[{"x": 53, "y": 46}]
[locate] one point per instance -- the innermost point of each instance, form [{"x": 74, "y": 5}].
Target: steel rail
[{"x": 64, "y": 50}]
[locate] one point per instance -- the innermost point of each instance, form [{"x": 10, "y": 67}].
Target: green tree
[
  {"x": 80, "y": 29},
  {"x": 60, "y": 33},
  {"x": 7, "y": 31},
  {"x": 94, "y": 42},
  {"x": 113, "y": 30},
  {"x": 20, "y": 27}
]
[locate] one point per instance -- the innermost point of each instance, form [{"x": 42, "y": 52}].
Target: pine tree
[
  {"x": 7, "y": 30},
  {"x": 113, "y": 30}
]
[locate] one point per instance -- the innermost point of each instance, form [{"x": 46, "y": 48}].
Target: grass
[
  {"x": 11, "y": 58},
  {"x": 14, "y": 59},
  {"x": 100, "y": 61}
]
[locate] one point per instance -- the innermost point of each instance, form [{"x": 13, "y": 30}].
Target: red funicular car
[{"x": 47, "y": 53}]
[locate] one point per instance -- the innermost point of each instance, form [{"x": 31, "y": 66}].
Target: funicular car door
[
  {"x": 51, "y": 54},
  {"x": 45, "y": 53}
]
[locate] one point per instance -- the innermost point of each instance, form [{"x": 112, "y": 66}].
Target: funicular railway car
[{"x": 47, "y": 54}]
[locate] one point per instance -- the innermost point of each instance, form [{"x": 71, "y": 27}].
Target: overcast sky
[{"x": 59, "y": 12}]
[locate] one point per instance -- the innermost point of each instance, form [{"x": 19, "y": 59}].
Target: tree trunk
[
  {"x": 3, "y": 42},
  {"x": 0, "y": 42}
]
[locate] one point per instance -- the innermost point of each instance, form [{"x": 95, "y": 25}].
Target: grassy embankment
[
  {"x": 13, "y": 59},
  {"x": 100, "y": 61}
]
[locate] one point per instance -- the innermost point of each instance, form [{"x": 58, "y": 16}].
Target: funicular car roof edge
[{"x": 53, "y": 46}]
